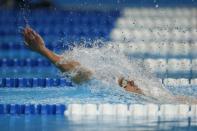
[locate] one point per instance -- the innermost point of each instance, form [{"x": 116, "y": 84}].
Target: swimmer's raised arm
[{"x": 36, "y": 43}]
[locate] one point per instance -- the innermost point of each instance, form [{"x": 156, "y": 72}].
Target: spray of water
[{"x": 109, "y": 63}]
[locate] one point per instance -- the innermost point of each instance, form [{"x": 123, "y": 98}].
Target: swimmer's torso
[{"x": 76, "y": 72}]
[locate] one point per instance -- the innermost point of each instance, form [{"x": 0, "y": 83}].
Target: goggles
[{"x": 124, "y": 83}]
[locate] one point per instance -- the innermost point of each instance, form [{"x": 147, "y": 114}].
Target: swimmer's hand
[{"x": 33, "y": 40}]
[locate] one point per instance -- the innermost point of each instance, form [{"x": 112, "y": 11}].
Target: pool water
[
  {"x": 94, "y": 123},
  {"x": 66, "y": 95},
  {"x": 80, "y": 94}
]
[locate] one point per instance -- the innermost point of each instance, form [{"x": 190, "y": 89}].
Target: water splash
[{"x": 109, "y": 63}]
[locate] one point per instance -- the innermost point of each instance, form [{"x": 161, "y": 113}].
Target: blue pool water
[
  {"x": 94, "y": 123},
  {"x": 67, "y": 95}
]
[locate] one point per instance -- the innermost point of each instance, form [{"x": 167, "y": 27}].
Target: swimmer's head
[{"x": 129, "y": 85}]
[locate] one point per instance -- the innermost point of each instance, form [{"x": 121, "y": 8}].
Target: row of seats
[
  {"x": 60, "y": 39},
  {"x": 24, "y": 62},
  {"x": 53, "y": 38},
  {"x": 29, "y": 72},
  {"x": 163, "y": 68},
  {"x": 105, "y": 18},
  {"x": 13, "y": 46},
  {"x": 97, "y": 31},
  {"x": 172, "y": 67},
  {"x": 72, "y": 17},
  {"x": 52, "y": 71},
  {"x": 53, "y": 13},
  {"x": 163, "y": 25},
  {"x": 14, "y": 72},
  {"x": 106, "y": 22},
  {"x": 182, "y": 82},
  {"x": 22, "y": 54},
  {"x": 159, "y": 12},
  {"x": 156, "y": 64},
  {"x": 64, "y": 26},
  {"x": 60, "y": 26},
  {"x": 138, "y": 50},
  {"x": 117, "y": 34},
  {"x": 19, "y": 54},
  {"x": 160, "y": 49},
  {"x": 180, "y": 23},
  {"x": 152, "y": 62},
  {"x": 20, "y": 45},
  {"x": 126, "y": 34}
]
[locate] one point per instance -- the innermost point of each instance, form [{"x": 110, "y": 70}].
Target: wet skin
[{"x": 130, "y": 86}]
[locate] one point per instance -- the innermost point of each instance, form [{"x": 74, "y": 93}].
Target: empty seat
[
  {"x": 182, "y": 82},
  {"x": 179, "y": 68},
  {"x": 176, "y": 82},
  {"x": 194, "y": 68},
  {"x": 137, "y": 49},
  {"x": 116, "y": 34},
  {"x": 193, "y": 110},
  {"x": 194, "y": 34},
  {"x": 155, "y": 49},
  {"x": 159, "y": 35},
  {"x": 193, "y": 48},
  {"x": 122, "y": 22},
  {"x": 194, "y": 82},
  {"x": 178, "y": 49},
  {"x": 176, "y": 35},
  {"x": 137, "y": 35},
  {"x": 157, "y": 66},
  {"x": 170, "y": 82}
]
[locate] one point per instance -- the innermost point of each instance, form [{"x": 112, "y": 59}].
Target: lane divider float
[{"x": 34, "y": 82}]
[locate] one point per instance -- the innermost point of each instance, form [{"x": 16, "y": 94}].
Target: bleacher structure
[{"x": 164, "y": 38}]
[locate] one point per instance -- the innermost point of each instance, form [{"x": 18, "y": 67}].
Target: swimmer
[
  {"x": 36, "y": 43},
  {"x": 80, "y": 74}
]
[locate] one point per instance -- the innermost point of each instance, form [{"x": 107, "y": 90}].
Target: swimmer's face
[
  {"x": 129, "y": 86},
  {"x": 132, "y": 87}
]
